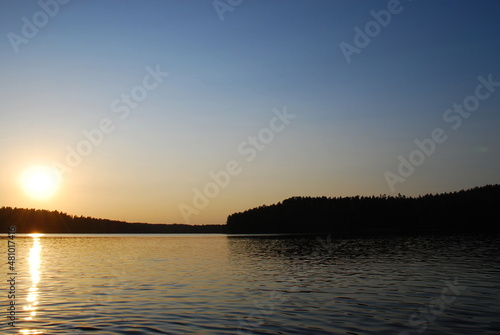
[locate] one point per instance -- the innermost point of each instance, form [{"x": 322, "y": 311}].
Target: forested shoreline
[
  {"x": 470, "y": 210},
  {"x": 44, "y": 221}
]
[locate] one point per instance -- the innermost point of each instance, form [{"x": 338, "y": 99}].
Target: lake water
[{"x": 218, "y": 284}]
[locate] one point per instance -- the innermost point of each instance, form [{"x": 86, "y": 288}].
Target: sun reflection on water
[{"x": 34, "y": 262}]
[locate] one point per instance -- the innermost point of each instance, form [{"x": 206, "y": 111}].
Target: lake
[{"x": 218, "y": 284}]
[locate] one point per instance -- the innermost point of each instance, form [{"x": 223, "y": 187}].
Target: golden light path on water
[{"x": 34, "y": 261}]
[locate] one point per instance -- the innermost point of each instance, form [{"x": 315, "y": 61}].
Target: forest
[
  {"x": 463, "y": 211},
  {"x": 472, "y": 210},
  {"x": 43, "y": 221}
]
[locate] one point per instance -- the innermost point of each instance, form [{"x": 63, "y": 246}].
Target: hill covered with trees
[
  {"x": 473, "y": 210},
  {"x": 43, "y": 221}
]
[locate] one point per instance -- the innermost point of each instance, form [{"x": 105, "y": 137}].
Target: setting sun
[{"x": 39, "y": 182}]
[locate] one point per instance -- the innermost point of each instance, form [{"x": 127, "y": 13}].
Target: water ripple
[{"x": 258, "y": 285}]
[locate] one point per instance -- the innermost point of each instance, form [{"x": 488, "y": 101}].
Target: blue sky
[{"x": 225, "y": 78}]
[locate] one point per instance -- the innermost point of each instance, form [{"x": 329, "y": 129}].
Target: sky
[{"x": 188, "y": 111}]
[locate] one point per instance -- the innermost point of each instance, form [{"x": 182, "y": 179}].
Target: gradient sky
[{"x": 227, "y": 78}]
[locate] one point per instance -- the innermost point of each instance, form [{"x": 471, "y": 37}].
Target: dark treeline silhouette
[
  {"x": 474, "y": 210},
  {"x": 43, "y": 221}
]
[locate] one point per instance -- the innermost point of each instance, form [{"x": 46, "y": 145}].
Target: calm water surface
[{"x": 217, "y": 284}]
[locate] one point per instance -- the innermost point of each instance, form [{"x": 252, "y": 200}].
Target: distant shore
[
  {"x": 463, "y": 211},
  {"x": 456, "y": 212},
  {"x": 43, "y": 221}
]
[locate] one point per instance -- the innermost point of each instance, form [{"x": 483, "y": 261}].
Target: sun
[{"x": 39, "y": 182}]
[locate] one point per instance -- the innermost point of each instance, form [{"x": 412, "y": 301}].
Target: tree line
[
  {"x": 44, "y": 221},
  {"x": 472, "y": 210}
]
